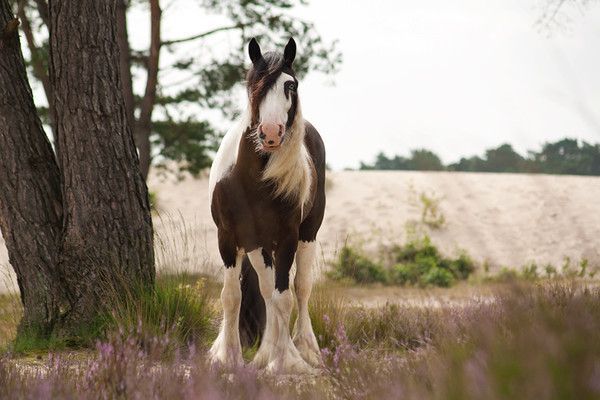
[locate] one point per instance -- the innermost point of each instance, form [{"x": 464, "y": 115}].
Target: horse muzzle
[{"x": 270, "y": 135}]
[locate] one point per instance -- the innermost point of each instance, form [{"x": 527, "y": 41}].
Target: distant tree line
[{"x": 566, "y": 156}]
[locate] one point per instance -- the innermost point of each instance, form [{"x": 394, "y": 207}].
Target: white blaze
[{"x": 275, "y": 105}]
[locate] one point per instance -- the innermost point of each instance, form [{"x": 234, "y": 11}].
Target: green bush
[
  {"x": 437, "y": 277},
  {"x": 417, "y": 263},
  {"x": 353, "y": 265},
  {"x": 462, "y": 267}
]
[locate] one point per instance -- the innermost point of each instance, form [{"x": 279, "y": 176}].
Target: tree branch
[
  {"x": 125, "y": 62},
  {"x": 39, "y": 70},
  {"x": 144, "y": 123},
  {"x": 204, "y": 34},
  {"x": 557, "y": 9}
]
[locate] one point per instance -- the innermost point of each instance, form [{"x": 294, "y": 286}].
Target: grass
[
  {"x": 179, "y": 307},
  {"x": 10, "y": 314},
  {"x": 418, "y": 263},
  {"x": 532, "y": 341}
]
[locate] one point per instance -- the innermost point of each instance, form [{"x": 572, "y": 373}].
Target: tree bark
[
  {"x": 30, "y": 196},
  {"x": 107, "y": 229}
]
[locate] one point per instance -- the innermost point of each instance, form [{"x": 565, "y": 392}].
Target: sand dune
[{"x": 504, "y": 219}]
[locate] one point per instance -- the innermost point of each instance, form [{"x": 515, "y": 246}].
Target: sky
[{"x": 456, "y": 77}]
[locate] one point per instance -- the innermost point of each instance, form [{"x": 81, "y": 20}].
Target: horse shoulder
[
  {"x": 316, "y": 148},
  {"x": 226, "y": 156}
]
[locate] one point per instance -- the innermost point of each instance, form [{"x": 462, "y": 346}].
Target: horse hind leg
[
  {"x": 227, "y": 349},
  {"x": 304, "y": 336}
]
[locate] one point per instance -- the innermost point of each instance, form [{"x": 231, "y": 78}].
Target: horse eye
[{"x": 292, "y": 87}]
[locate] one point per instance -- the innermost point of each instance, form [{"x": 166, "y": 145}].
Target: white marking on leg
[
  {"x": 266, "y": 280},
  {"x": 284, "y": 357},
  {"x": 304, "y": 337},
  {"x": 227, "y": 348}
]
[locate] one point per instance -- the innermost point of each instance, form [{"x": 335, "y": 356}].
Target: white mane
[{"x": 289, "y": 167}]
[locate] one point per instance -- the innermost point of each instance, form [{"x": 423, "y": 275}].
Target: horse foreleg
[
  {"x": 227, "y": 348},
  {"x": 263, "y": 265},
  {"x": 304, "y": 337},
  {"x": 284, "y": 357}
]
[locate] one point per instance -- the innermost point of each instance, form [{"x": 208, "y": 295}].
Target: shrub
[
  {"x": 437, "y": 277},
  {"x": 431, "y": 215},
  {"x": 355, "y": 266},
  {"x": 417, "y": 263}
]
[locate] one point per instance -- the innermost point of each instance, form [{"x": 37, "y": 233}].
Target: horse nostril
[
  {"x": 280, "y": 130},
  {"x": 271, "y": 142},
  {"x": 262, "y": 135}
]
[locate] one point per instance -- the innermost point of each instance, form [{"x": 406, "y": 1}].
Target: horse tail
[{"x": 252, "y": 310}]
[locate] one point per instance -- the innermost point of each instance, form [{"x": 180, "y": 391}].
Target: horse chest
[{"x": 253, "y": 215}]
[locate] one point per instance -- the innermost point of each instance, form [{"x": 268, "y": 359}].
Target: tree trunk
[
  {"x": 107, "y": 225},
  {"x": 30, "y": 197}
]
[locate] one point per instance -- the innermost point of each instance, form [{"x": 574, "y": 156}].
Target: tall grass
[
  {"x": 531, "y": 342},
  {"x": 179, "y": 305}
]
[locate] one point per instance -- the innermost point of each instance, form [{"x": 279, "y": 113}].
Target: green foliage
[
  {"x": 431, "y": 215},
  {"x": 533, "y": 272},
  {"x": 153, "y": 199},
  {"x": 187, "y": 142},
  {"x": 419, "y": 160},
  {"x": 178, "y": 307},
  {"x": 215, "y": 77},
  {"x": 565, "y": 156},
  {"x": 200, "y": 86},
  {"x": 417, "y": 263},
  {"x": 358, "y": 268}
]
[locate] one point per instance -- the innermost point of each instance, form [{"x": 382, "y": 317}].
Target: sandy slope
[{"x": 506, "y": 219}]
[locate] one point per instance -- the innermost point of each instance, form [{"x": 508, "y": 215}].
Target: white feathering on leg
[
  {"x": 284, "y": 357},
  {"x": 227, "y": 348},
  {"x": 304, "y": 336},
  {"x": 266, "y": 279}
]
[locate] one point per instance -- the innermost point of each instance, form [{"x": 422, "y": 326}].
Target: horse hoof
[
  {"x": 225, "y": 356},
  {"x": 309, "y": 349},
  {"x": 289, "y": 365}
]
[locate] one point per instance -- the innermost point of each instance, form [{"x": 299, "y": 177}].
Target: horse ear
[
  {"x": 289, "y": 53},
  {"x": 254, "y": 51}
]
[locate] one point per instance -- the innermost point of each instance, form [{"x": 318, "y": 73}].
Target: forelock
[{"x": 262, "y": 76}]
